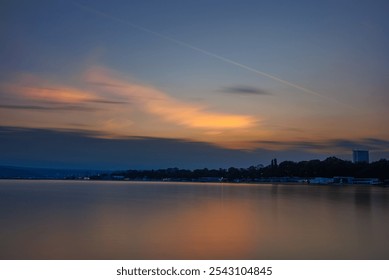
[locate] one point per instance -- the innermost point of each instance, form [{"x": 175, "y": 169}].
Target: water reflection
[{"x": 124, "y": 220}]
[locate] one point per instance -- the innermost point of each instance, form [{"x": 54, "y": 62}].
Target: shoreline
[{"x": 382, "y": 185}]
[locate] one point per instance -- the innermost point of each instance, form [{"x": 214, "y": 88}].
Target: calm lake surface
[{"x": 155, "y": 220}]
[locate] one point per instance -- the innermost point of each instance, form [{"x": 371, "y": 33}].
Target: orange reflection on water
[{"x": 211, "y": 230}]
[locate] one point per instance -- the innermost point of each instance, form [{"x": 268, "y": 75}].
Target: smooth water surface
[{"x": 155, "y": 220}]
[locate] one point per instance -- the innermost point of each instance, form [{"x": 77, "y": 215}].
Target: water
[{"x": 155, "y": 220}]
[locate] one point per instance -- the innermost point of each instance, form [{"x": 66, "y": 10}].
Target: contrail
[{"x": 210, "y": 54}]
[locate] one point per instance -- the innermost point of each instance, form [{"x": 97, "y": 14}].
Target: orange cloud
[
  {"x": 167, "y": 108},
  {"x": 116, "y": 107},
  {"x": 65, "y": 95},
  {"x": 36, "y": 89}
]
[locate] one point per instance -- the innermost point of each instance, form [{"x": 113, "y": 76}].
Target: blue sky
[{"x": 257, "y": 78}]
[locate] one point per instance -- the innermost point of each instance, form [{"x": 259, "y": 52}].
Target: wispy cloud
[
  {"x": 169, "y": 109},
  {"x": 246, "y": 90},
  {"x": 327, "y": 145},
  {"x": 106, "y": 101},
  {"x": 48, "y": 108},
  {"x": 58, "y": 94},
  {"x": 45, "y": 147}
]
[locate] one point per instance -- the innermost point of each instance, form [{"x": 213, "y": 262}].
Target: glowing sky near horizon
[{"x": 237, "y": 74}]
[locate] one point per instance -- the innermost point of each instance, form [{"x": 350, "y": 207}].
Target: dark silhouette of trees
[{"x": 329, "y": 167}]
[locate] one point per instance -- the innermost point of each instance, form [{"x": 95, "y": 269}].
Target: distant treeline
[{"x": 329, "y": 167}]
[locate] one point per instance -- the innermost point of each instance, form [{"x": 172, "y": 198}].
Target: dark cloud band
[{"x": 247, "y": 90}]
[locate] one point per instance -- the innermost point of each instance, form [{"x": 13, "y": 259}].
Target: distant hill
[{"x": 17, "y": 172}]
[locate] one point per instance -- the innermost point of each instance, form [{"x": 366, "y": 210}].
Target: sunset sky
[{"x": 152, "y": 84}]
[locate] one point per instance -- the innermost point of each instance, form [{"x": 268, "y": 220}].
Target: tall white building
[{"x": 360, "y": 156}]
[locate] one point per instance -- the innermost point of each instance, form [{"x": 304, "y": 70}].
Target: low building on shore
[
  {"x": 367, "y": 181},
  {"x": 343, "y": 180},
  {"x": 321, "y": 181}
]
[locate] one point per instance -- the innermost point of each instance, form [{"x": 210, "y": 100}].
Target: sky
[{"x": 191, "y": 84}]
